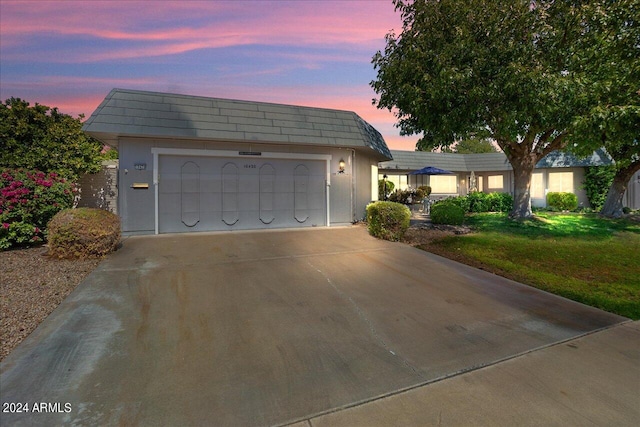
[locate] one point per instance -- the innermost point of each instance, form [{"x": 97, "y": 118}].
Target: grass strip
[{"x": 588, "y": 259}]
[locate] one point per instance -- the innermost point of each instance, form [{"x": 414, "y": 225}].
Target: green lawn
[{"x": 582, "y": 257}]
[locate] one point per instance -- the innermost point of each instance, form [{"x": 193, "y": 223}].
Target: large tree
[
  {"x": 42, "y": 138},
  {"x": 611, "y": 51},
  {"x": 463, "y": 67}
]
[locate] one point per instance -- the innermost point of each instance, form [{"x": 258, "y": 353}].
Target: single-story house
[
  {"x": 191, "y": 163},
  {"x": 557, "y": 172}
]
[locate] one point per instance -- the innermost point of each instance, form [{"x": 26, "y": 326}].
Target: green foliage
[
  {"x": 515, "y": 70},
  {"x": 500, "y": 202},
  {"x": 83, "y": 233},
  {"x": 426, "y": 190},
  {"x": 597, "y": 180},
  {"x": 109, "y": 154},
  {"x": 408, "y": 196},
  {"x": 477, "y": 202},
  {"x": 461, "y": 201},
  {"x": 41, "y": 138},
  {"x": 562, "y": 201},
  {"x": 28, "y": 200},
  {"x": 611, "y": 117},
  {"x": 17, "y": 234},
  {"x": 447, "y": 213},
  {"x": 471, "y": 146},
  {"x": 388, "y": 220},
  {"x": 382, "y": 194},
  {"x": 461, "y": 68},
  {"x": 611, "y": 55}
]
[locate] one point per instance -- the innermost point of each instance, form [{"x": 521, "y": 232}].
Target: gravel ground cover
[{"x": 32, "y": 285}]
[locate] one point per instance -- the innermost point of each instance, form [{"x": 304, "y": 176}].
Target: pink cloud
[
  {"x": 169, "y": 28},
  {"x": 335, "y": 31}
]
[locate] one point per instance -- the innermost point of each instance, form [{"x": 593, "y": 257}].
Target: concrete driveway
[{"x": 268, "y": 328}]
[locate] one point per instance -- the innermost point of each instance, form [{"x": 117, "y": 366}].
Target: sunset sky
[{"x": 70, "y": 54}]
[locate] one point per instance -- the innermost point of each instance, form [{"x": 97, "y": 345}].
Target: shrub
[
  {"x": 562, "y": 201},
  {"x": 447, "y": 213},
  {"x": 461, "y": 201},
  {"x": 478, "y": 202},
  {"x": 388, "y": 220},
  {"x": 382, "y": 194},
  {"x": 426, "y": 190},
  {"x": 83, "y": 233},
  {"x": 597, "y": 180},
  {"x": 28, "y": 200},
  {"x": 408, "y": 196},
  {"x": 500, "y": 202}
]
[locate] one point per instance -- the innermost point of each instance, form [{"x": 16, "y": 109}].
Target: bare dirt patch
[{"x": 32, "y": 285}]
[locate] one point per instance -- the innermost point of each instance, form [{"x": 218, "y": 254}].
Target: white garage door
[{"x": 212, "y": 193}]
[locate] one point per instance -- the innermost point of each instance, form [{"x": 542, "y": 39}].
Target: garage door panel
[
  {"x": 230, "y": 194},
  {"x": 170, "y": 184},
  {"x": 210, "y": 183},
  {"x": 283, "y": 184},
  {"x": 283, "y": 200},
  {"x": 314, "y": 203},
  {"x": 249, "y": 201}
]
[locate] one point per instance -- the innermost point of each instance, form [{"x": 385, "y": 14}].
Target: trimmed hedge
[
  {"x": 447, "y": 212},
  {"x": 388, "y": 220},
  {"x": 479, "y": 202},
  {"x": 83, "y": 233},
  {"x": 562, "y": 201}
]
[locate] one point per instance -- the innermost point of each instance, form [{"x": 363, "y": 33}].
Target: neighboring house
[
  {"x": 190, "y": 163},
  {"x": 557, "y": 172}
]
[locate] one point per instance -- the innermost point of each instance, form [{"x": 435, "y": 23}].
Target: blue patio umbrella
[{"x": 430, "y": 170}]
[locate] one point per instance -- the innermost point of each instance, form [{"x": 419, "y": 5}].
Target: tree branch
[{"x": 557, "y": 143}]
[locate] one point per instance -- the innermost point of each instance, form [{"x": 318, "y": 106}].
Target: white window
[
  {"x": 561, "y": 182},
  {"x": 399, "y": 181},
  {"x": 495, "y": 182},
  {"x": 444, "y": 184},
  {"x": 537, "y": 186}
]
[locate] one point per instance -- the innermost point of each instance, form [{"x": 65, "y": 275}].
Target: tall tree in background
[
  {"x": 611, "y": 47},
  {"x": 42, "y": 138},
  {"x": 473, "y": 145},
  {"x": 463, "y": 67}
]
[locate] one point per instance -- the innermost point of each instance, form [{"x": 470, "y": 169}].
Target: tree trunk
[
  {"x": 612, "y": 207},
  {"x": 522, "y": 172}
]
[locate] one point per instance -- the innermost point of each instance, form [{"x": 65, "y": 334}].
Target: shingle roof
[
  {"x": 414, "y": 160},
  {"x": 152, "y": 114}
]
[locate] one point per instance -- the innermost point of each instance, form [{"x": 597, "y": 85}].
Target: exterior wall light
[{"x": 341, "y": 166}]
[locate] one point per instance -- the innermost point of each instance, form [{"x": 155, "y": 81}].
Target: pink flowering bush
[{"x": 28, "y": 200}]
